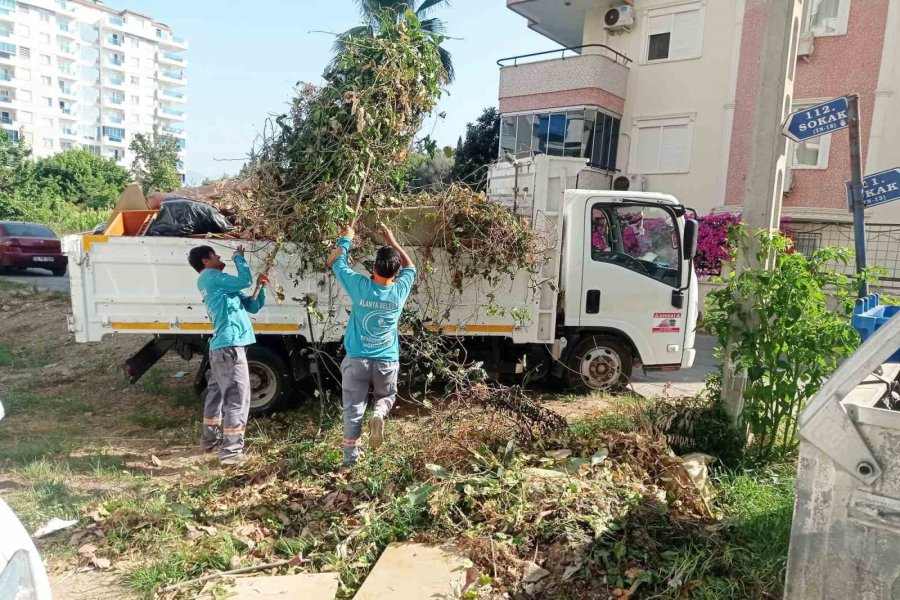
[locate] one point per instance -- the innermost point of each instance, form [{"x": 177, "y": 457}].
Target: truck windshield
[
  {"x": 639, "y": 238},
  {"x": 26, "y": 230}
]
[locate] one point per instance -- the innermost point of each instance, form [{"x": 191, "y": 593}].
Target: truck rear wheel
[
  {"x": 271, "y": 382},
  {"x": 600, "y": 363}
]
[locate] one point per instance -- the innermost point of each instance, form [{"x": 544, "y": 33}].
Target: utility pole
[{"x": 771, "y": 34}]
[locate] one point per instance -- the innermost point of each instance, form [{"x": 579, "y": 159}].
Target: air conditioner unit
[
  {"x": 619, "y": 18},
  {"x": 629, "y": 183},
  {"x": 807, "y": 44}
]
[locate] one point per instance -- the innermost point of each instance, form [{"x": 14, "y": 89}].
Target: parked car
[
  {"x": 22, "y": 574},
  {"x": 29, "y": 245}
]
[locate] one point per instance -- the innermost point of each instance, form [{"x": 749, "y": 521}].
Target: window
[
  {"x": 584, "y": 133},
  {"x": 135, "y": 100},
  {"x": 662, "y": 145},
  {"x": 47, "y": 143},
  {"x": 64, "y": 146},
  {"x": 674, "y": 32},
  {"x": 639, "y": 238},
  {"x": 829, "y": 17},
  {"x": 812, "y": 153},
  {"x": 45, "y": 16},
  {"x": 807, "y": 243},
  {"x": 46, "y": 81},
  {"x": 45, "y": 60},
  {"x": 135, "y": 80},
  {"x": 47, "y": 101},
  {"x": 47, "y": 122}
]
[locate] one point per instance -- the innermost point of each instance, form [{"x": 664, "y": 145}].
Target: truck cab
[{"x": 628, "y": 290}]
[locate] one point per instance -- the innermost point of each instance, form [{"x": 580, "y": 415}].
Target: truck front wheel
[{"x": 600, "y": 363}]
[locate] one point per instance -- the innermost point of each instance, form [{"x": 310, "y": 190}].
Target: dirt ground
[{"x": 75, "y": 429}]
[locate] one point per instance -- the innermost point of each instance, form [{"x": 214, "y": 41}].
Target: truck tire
[
  {"x": 271, "y": 382},
  {"x": 598, "y": 363}
]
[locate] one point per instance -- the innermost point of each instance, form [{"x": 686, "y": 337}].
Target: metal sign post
[{"x": 856, "y": 192}]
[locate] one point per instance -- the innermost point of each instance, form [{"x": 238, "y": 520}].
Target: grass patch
[
  {"x": 50, "y": 407},
  {"x": 151, "y": 420},
  {"x": 22, "y": 358},
  {"x": 6, "y": 284},
  {"x": 154, "y": 381}
]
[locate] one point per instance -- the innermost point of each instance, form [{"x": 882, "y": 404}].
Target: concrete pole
[{"x": 765, "y": 87}]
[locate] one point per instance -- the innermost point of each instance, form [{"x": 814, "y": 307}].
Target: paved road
[
  {"x": 41, "y": 279},
  {"x": 686, "y": 382}
]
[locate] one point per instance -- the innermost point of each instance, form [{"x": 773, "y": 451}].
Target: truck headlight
[{"x": 16, "y": 581}]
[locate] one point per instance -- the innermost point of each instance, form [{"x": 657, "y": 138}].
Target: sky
[{"x": 245, "y": 57}]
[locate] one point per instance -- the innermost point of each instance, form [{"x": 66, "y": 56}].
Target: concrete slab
[
  {"x": 686, "y": 382},
  {"x": 307, "y": 586},
  {"x": 415, "y": 572}
]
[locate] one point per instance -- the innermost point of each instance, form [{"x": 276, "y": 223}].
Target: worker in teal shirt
[
  {"x": 227, "y": 405},
  {"x": 372, "y": 339}
]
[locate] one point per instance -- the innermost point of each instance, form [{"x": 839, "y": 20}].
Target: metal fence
[{"x": 882, "y": 242}]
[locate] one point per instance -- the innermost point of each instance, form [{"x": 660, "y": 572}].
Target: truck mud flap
[{"x": 146, "y": 357}]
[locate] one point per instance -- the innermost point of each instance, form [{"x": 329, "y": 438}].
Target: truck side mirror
[{"x": 691, "y": 228}]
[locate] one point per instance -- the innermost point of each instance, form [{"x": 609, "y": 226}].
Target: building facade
[
  {"x": 674, "y": 82},
  {"x": 78, "y": 74}
]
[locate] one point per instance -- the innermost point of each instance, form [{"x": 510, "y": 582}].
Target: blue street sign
[
  {"x": 879, "y": 188},
  {"x": 818, "y": 120}
]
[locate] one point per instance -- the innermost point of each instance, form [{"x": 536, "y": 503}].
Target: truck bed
[{"x": 144, "y": 285}]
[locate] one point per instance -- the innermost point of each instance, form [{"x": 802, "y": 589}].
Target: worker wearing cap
[{"x": 227, "y": 406}]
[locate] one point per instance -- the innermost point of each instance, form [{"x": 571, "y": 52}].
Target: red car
[{"x": 29, "y": 245}]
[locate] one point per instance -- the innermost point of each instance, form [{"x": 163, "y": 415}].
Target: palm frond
[
  {"x": 447, "y": 61},
  {"x": 340, "y": 42},
  {"x": 436, "y": 26},
  {"x": 428, "y": 5}
]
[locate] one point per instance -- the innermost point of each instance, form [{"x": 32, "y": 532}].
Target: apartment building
[
  {"x": 660, "y": 92},
  {"x": 79, "y": 74}
]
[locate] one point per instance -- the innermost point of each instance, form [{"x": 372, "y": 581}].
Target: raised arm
[
  {"x": 232, "y": 283},
  {"x": 254, "y": 306},
  {"x": 405, "y": 261},
  {"x": 340, "y": 265}
]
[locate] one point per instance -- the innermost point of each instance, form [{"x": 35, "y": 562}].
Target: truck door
[{"x": 631, "y": 267}]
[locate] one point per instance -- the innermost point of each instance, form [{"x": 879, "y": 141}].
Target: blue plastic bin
[{"x": 869, "y": 315}]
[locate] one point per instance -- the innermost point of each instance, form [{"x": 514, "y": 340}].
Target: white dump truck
[{"x": 618, "y": 292}]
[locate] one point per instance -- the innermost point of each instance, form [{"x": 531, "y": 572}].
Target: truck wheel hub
[{"x": 601, "y": 367}]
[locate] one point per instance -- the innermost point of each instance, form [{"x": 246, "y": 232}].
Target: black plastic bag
[{"x": 182, "y": 217}]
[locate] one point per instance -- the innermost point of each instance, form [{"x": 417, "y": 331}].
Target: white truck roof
[{"x": 623, "y": 195}]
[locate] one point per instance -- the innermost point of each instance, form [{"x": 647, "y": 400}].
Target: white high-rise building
[{"x": 78, "y": 74}]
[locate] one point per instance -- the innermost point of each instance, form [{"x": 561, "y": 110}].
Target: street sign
[
  {"x": 879, "y": 188},
  {"x": 818, "y": 120}
]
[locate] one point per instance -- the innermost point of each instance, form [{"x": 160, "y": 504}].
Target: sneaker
[
  {"x": 376, "y": 430},
  {"x": 235, "y": 460}
]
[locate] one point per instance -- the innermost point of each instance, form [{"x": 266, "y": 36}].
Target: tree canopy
[
  {"x": 156, "y": 161},
  {"x": 83, "y": 178},
  {"x": 478, "y": 150}
]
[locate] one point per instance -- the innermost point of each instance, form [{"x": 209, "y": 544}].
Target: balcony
[
  {"x": 113, "y": 81},
  {"x": 173, "y": 76},
  {"x": 115, "y": 63},
  {"x": 65, "y": 30},
  {"x": 5, "y": 33},
  {"x": 65, "y": 90},
  {"x": 66, "y": 49},
  {"x": 7, "y": 7},
  {"x": 596, "y": 77},
  {"x": 13, "y": 134},
  {"x": 117, "y": 119},
  {"x": 4, "y": 99},
  {"x": 5, "y": 120},
  {"x": 561, "y": 22},
  {"x": 170, "y": 95},
  {"x": 177, "y": 131},
  {"x": 5, "y": 76},
  {"x": 173, "y": 41},
  {"x": 113, "y": 101},
  {"x": 114, "y": 40},
  {"x": 69, "y": 133},
  {"x": 171, "y": 58}
]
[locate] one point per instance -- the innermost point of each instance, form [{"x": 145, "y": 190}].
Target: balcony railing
[
  {"x": 178, "y": 39},
  {"x": 116, "y": 80},
  {"x": 116, "y": 100},
  {"x": 172, "y": 111},
  {"x": 115, "y": 41},
  {"x": 116, "y": 119},
  {"x": 116, "y": 61},
  {"x": 69, "y": 131},
  {"x": 4, "y": 76},
  {"x": 173, "y": 94},
  {"x": 66, "y": 110},
  {"x": 64, "y": 89},
  {"x": 5, "y": 33},
  {"x": 173, "y": 56},
  {"x": 173, "y": 75},
  {"x": 596, "y": 77},
  {"x": 65, "y": 69},
  {"x": 117, "y": 21},
  {"x": 13, "y": 135},
  {"x": 172, "y": 130},
  {"x": 5, "y": 100},
  {"x": 6, "y": 120}
]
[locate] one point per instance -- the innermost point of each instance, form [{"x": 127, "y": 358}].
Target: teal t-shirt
[
  {"x": 372, "y": 329},
  {"x": 228, "y": 306}
]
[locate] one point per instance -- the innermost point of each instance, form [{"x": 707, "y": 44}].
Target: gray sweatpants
[
  {"x": 357, "y": 375},
  {"x": 227, "y": 404}
]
